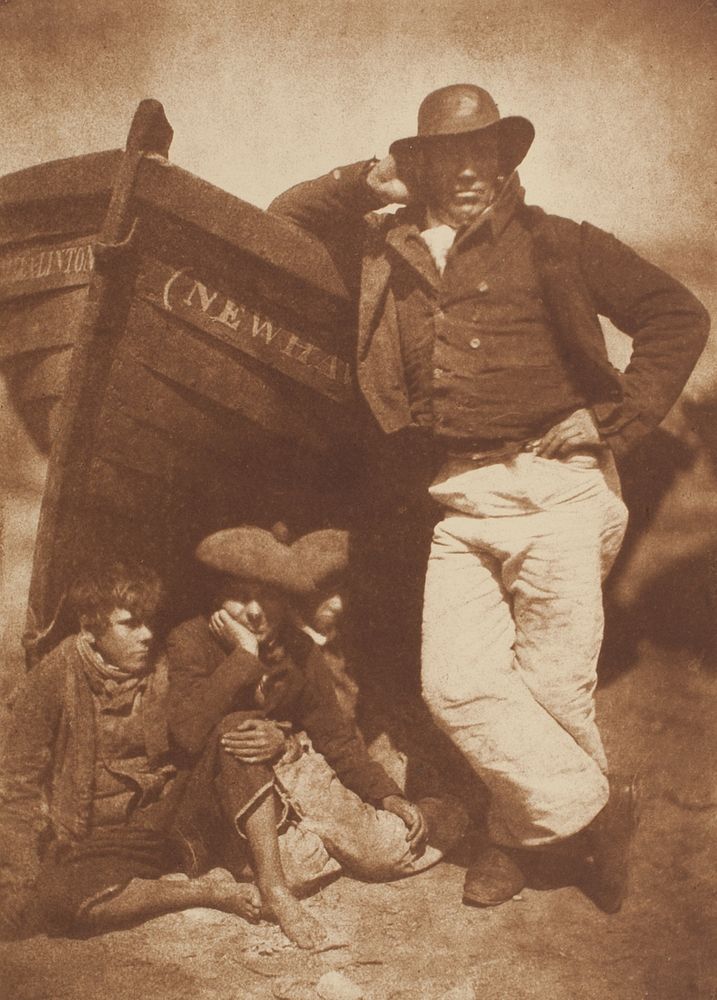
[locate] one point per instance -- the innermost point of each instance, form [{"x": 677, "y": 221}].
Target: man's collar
[
  {"x": 499, "y": 213},
  {"x": 316, "y": 637},
  {"x": 405, "y": 239},
  {"x": 412, "y": 219}
]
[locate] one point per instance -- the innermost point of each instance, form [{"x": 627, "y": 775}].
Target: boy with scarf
[{"x": 90, "y": 789}]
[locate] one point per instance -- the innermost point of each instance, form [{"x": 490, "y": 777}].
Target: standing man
[{"x": 478, "y": 333}]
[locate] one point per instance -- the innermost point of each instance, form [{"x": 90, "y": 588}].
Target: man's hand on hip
[
  {"x": 577, "y": 431},
  {"x": 412, "y": 817}
]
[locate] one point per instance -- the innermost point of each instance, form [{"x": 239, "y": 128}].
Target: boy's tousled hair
[{"x": 97, "y": 592}]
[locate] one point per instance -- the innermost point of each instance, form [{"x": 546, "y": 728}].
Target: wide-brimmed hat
[
  {"x": 464, "y": 108},
  {"x": 250, "y": 553}
]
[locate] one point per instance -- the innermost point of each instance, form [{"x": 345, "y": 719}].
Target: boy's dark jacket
[
  {"x": 207, "y": 684},
  {"x": 48, "y": 762},
  {"x": 583, "y": 271},
  {"x": 47, "y": 767}
]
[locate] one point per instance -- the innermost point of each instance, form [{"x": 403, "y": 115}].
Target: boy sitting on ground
[
  {"x": 245, "y": 677},
  {"x": 90, "y": 786}
]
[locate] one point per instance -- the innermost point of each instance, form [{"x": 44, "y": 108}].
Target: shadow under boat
[{"x": 182, "y": 357}]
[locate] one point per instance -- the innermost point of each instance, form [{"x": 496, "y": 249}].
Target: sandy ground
[{"x": 414, "y": 939}]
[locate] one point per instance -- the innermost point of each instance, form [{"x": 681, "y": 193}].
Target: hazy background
[{"x": 263, "y": 93}]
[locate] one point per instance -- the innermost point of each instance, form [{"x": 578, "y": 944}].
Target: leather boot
[{"x": 609, "y": 838}]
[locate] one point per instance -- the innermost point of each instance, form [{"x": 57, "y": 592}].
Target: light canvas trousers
[
  {"x": 512, "y": 628},
  {"x": 369, "y": 843}
]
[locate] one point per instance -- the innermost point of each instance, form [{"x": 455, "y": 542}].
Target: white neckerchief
[{"x": 439, "y": 239}]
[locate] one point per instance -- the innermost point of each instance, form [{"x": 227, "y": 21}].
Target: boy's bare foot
[
  {"x": 298, "y": 925},
  {"x": 240, "y": 898}
]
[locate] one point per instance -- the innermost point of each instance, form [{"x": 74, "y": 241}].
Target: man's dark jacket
[{"x": 583, "y": 273}]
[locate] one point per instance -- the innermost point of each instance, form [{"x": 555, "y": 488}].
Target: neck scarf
[
  {"x": 115, "y": 689},
  {"x": 439, "y": 240}
]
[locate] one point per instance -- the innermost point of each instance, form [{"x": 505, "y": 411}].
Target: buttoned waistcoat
[{"x": 583, "y": 272}]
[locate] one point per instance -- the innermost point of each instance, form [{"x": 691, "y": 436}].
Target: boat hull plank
[
  {"x": 126, "y": 442},
  {"x": 174, "y": 413},
  {"x": 45, "y": 322},
  {"x": 115, "y": 490},
  {"x": 237, "y": 223},
  {"x": 43, "y": 378},
  {"x": 31, "y": 270},
  {"x": 262, "y": 332},
  {"x": 72, "y": 178},
  {"x": 214, "y": 371}
]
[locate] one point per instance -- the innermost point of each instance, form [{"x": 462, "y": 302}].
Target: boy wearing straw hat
[{"x": 248, "y": 681}]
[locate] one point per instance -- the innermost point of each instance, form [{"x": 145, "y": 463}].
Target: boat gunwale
[
  {"x": 169, "y": 188},
  {"x": 86, "y": 175},
  {"x": 250, "y": 230}
]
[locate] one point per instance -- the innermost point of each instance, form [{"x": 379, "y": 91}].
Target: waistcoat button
[
  {"x": 475, "y": 342},
  {"x": 437, "y": 372},
  {"x": 483, "y": 287}
]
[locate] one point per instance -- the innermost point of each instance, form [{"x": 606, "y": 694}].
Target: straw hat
[{"x": 251, "y": 553}]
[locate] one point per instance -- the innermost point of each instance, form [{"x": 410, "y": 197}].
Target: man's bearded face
[{"x": 459, "y": 177}]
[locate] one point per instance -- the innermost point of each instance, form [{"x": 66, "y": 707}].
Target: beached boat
[{"x": 183, "y": 357}]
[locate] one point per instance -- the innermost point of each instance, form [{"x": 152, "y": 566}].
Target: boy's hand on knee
[
  {"x": 412, "y": 817},
  {"x": 255, "y": 741}
]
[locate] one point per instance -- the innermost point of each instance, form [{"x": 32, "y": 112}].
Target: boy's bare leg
[
  {"x": 259, "y": 825},
  {"x": 143, "y": 899}
]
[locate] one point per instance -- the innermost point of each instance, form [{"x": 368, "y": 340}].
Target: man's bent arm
[
  {"x": 668, "y": 325},
  {"x": 203, "y": 682},
  {"x": 328, "y": 204}
]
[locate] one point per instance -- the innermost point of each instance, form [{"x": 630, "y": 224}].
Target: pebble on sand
[{"x": 335, "y": 986}]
